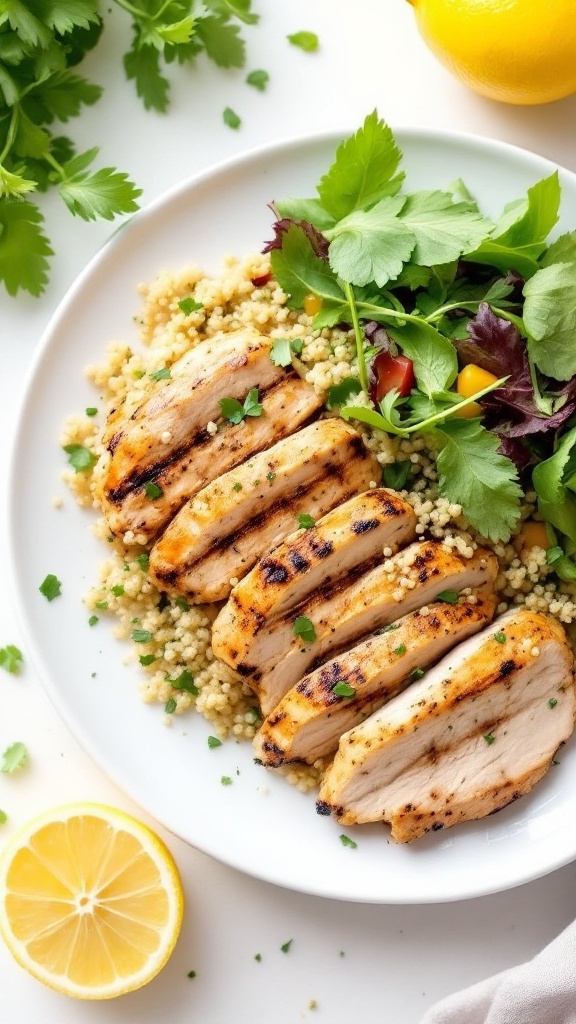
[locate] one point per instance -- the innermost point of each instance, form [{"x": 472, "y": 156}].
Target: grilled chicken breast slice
[
  {"x": 353, "y": 534},
  {"x": 309, "y": 720},
  {"x": 222, "y": 532},
  {"x": 476, "y": 733},
  {"x": 164, "y": 439},
  {"x": 344, "y": 612}
]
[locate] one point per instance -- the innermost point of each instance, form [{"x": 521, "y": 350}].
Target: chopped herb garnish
[
  {"x": 91, "y": 410},
  {"x": 270, "y": 476},
  {"x": 93, "y": 620},
  {"x": 285, "y": 947},
  {"x": 237, "y": 486},
  {"x": 258, "y": 957},
  {"x": 170, "y": 706},
  {"x": 11, "y": 659},
  {"x": 283, "y": 349},
  {"x": 146, "y": 659},
  {"x": 142, "y": 636},
  {"x": 139, "y": 374},
  {"x": 185, "y": 681},
  {"x": 13, "y": 758},
  {"x": 305, "y": 522},
  {"x": 235, "y": 412},
  {"x": 396, "y": 475},
  {"x": 50, "y": 587},
  {"x": 80, "y": 458},
  {"x": 307, "y": 41},
  {"x": 230, "y": 117},
  {"x": 417, "y": 673},
  {"x": 304, "y": 628},
  {"x": 386, "y": 629},
  {"x": 143, "y": 561},
  {"x": 101, "y": 605},
  {"x": 258, "y": 78},
  {"x": 489, "y": 737},
  {"x": 162, "y": 374},
  {"x": 448, "y": 596},
  {"x": 346, "y": 841},
  {"x": 552, "y": 702},
  {"x": 152, "y": 490},
  {"x": 213, "y": 742},
  {"x": 189, "y": 305},
  {"x": 117, "y": 590},
  {"x": 401, "y": 649},
  {"x": 226, "y": 780},
  {"x": 191, "y": 974},
  {"x": 343, "y": 689},
  {"x": 500, "y": 637},
  {"x": 182, "y": 604}
]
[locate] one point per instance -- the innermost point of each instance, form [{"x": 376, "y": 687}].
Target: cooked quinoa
[{"x": 172, "y": 639}]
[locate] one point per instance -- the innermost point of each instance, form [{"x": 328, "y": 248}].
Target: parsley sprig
[{"x": 41, "y": 46}]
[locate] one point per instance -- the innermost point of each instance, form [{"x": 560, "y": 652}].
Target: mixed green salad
[{"x": 465, "y": 329}]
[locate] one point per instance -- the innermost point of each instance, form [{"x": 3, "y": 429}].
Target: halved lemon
[{"x": 91, "y": 901}]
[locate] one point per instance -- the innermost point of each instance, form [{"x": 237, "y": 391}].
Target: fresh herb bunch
[
  {"x": 427, "y": 274},
  {"x": 41, "y": 44}
]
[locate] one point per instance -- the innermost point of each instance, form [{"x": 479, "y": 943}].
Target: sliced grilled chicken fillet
[
  {"x": 477, "y": 732},
  {"x": 164, "y": 439},
  {"x": 224, "y": 529},
  {"x": 309, "y": 720},
  {"x": 353, "y": 534},
  {"x": 344, "y": 612}
]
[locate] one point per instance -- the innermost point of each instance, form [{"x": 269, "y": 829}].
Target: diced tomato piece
[
  {"x": 390, "y": 372},
  {"x": 259, "y": 282}
]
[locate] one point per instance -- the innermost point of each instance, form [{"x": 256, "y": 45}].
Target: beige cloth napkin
[{"x": 541, "y": 991}]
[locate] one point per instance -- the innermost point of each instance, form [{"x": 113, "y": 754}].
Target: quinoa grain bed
[{"x": 172, "y": 640}]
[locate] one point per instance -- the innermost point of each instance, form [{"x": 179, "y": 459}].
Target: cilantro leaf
[
  {"x": 342, "y": 689},
  {"x": 14, "y": 757},
  {"x": 371, "y": 245},
  {"x": 434, "y": 356},
  {"x": 241, "y": 9},
  {"x": 339, "y": 394},
  {"x": 443, "y": 229},
  {"x": 103, "y": 193},
  {"x": 282, "y": 350},
  {"x": 142, "y": 65},
  {"x": 80, "y": 458},
  {"x": 474, "y": 475},
  {"x": 518, "y": 238},
  {"x": 222, "y": 42},
  {"x": 300, "y": 272},
  {"x": 550, "y": 319},
  {"x": 189, "y": 305},
  {"x": 307, "y": 41},
  {"x": 62, "y": 96},
  {"x": 24, "y": 249},
  {"x": 11, "y": 659},
  {"x": 305, "y": 521},
  {"x": 235, "y": 412},
  {"x": 364, "y": 170}
]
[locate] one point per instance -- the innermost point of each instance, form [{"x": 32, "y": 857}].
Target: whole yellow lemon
[{"x": 515, "y": 51}]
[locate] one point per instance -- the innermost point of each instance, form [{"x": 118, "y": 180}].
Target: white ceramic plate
[{"x": 274, "y": 835}]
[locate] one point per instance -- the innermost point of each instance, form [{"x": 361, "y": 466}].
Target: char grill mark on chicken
[
  {"x": 309, "y": 720},
  {"x": 352, "y": 607},
  {"x": 164, "y": 440},
  {"x": 350, "y": 536},
  {"x": 226, "y": 527},
  {"x": 477, "y": 732}
]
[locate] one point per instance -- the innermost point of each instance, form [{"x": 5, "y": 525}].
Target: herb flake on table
[
  {"x": 286, "y": 946},
  {"x": 347, "y": 841},
  {"x": 11, "y": 659},
  {"x": 307, "y": 41},
  {"x": 214, "y": 742},
  {"x": 14, "y": 757},
  {"x": 231, "y": 118},
  {"x": 258, "y": 79}
]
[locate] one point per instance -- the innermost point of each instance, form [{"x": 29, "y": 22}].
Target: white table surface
[{"x": 396, "y": 960}]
